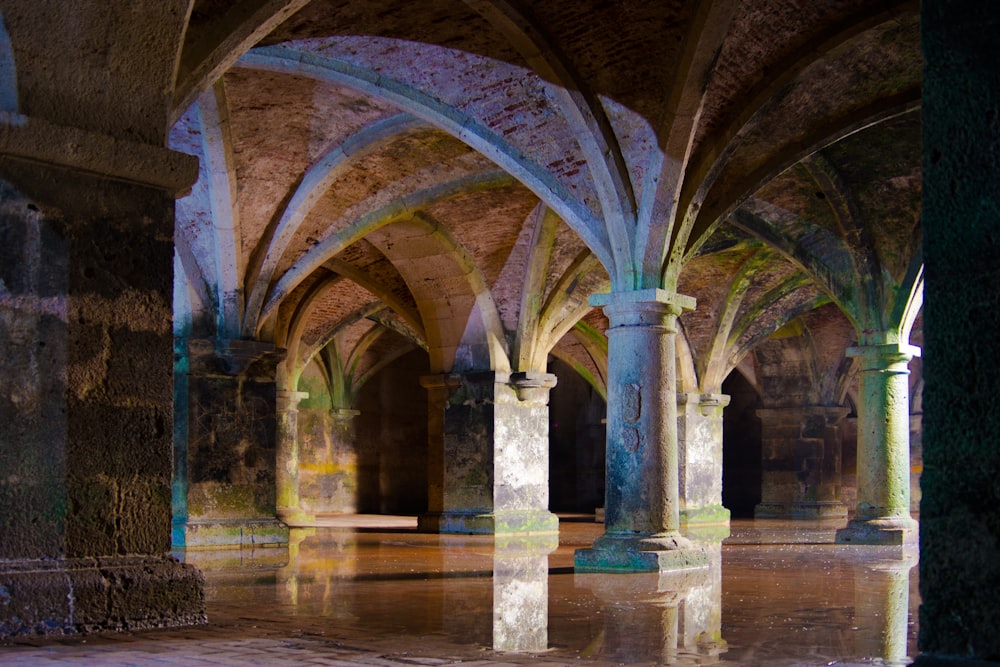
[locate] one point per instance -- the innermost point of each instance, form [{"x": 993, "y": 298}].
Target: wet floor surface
[{"x": 372, "y": 591}]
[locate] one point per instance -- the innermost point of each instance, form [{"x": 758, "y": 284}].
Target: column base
[
  {"x": 229, "y": 533},
  {"x": 819, "y": 510},
  {"x": 55, "y": 597},
  {"x": 651, "y": 553},
  {"x": 489, "y": 523},
  {"x": 709, "y": 515},
  {"x": 706, "y": 524},
  {"x": 296, "y": 518},
  {"x": 801, "y": 510},
  {"x": 891, "y": 531}
]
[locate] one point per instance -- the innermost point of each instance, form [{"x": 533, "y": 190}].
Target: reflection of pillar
[
  {"x": 882, "y": 607},
  {"x": 699, "y": 442},
  {"x": 289, "y": 508},
  {"x": 230, "y": 447},
  {"x": 882, "y": 515},
  {"x": 488, "y": 453},
  {"x": 801, "y": 472},
  {"x": 311, "y": 580},
  {"x": 700, "y": 621},
  {"x": 642, "y": 514},
  {"x": 916, "y": 459},
  {"x": 521, "y": 592},
  {"x": 645, "y": 617}
]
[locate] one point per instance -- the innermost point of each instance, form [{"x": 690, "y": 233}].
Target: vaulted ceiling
[{"x": 460, "y": 176}]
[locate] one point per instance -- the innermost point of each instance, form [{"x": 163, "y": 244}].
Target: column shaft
[
  {"x": 699, "y": 438},
  {"x": 289, "y": 506},
  {"x": 882, "y": 515}
]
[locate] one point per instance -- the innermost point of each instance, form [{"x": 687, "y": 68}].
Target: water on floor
[{"x": 775, "y": 593}]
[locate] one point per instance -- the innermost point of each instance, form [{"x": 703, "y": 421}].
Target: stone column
[
  {"x": 642, "y": 508},
  {"x": 699, "y": 441},
  {"x": 289, "y": 508},
  {"x": 488, "y": 453},
  {"x": 86, "y": 229},
  {"x": 882, "y": 515},
  {"x": 801, "y": 471},
  {"x": 334, "y": 476},
  {"x": 230, "y": 447}
]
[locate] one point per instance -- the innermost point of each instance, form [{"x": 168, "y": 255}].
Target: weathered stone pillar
[
  {"x": 488, "y": 453},
  {"x": 86, "y": 390},
  {"x": 642, "y": 508},
  {"x": 882, "y": 515},
  {"x": 230, "y": 447},
  {"x": 699, "y": 440},
  {"x": 289, "y": 507},
  {"x": 333, "y": 473},
  {"x": 801, "y": 471}
]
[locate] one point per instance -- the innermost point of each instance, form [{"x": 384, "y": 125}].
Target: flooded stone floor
[{"x": 372, "y": 591}]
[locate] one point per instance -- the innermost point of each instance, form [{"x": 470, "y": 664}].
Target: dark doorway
[
  {"x": 576, "y": 442},
  {"x": 741, "y": 447},
  {"x": 392, "y": 439}
]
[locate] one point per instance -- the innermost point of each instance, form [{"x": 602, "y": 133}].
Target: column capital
[
  {"x": 232, "y": 357},
  {"x": 648, "y": 308},
  {"x": 42, "y": 142},
  {"x": 344, "y": 414},
  {"x": 708, "y": 405},
  {"x": 441, "y": 381},
  {"x": 883, "y": 356},
  {"x": 287, "y": 400},
  {"x": 637, "y": 299},
  {"x": 533, "y": 386}
]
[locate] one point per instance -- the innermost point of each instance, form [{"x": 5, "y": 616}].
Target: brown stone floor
[{"x": 371, "y": 591}]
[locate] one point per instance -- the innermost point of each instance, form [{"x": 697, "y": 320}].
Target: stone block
[{"x": 90, "y": 595}]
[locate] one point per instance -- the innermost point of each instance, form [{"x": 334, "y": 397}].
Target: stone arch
[{"x": 462, "y": 326}]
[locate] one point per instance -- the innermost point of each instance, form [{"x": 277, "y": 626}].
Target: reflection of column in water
[
  {"x": 316, "y": 565},
  {"x": 521, "y": 592},
  {"x": 701, "y": 611},
  {"x": 643, "y": 612},
  {"x": 882, "y": 604}
]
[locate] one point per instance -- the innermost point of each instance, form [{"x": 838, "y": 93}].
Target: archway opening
[
  {"x": 576, "y": 442},
  {"x": 741, "y": 447}
]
